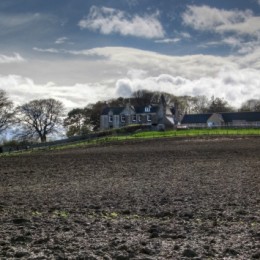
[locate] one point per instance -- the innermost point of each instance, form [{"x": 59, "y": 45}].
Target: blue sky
[{"x": 82, "y": 51}]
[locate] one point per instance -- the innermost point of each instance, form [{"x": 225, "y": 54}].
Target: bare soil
[{"x": 160, "y": 199}]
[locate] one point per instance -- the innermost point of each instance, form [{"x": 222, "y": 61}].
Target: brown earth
[{"x": 160, "y": 199}]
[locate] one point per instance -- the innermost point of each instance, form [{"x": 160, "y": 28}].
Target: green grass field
[
  {"x": 198, "y": 132},
  {"x": 166, "y": 134},
  {"x": 151, "y": 135}
]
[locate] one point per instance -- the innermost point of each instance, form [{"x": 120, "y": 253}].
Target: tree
[
  {"x": 78, "y": 121},
  {"x": 6, "y": 111},
  {"x": 198, "y": 104},
  {"x": 142, "y": 97},
  {"x": 96, "y": 110},
  {"x": 182, "y": 104},
  {"x": 118, "y": 102},
  {"x": 39, "y": 118},
  {"x": 251, "y": 105},
  {"x": 218, "y": 105}
]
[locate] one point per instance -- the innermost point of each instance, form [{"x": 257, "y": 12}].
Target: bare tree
[
  {"x": 6, "y": 112},
  {"x": 251, "y": 105},
  {"x": 198, "y": 104},
  {"x": 39, "y": 118},
  {"x": 142, "y": 97}
]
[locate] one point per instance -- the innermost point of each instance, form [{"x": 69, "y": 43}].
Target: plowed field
[{"x": 160, "y": 199}]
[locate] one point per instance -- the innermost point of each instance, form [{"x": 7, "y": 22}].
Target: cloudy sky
[{"x": 82, "y": 51}]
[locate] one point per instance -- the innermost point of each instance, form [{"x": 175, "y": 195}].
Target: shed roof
[
  {"x": 227, "y": 117},
  {"x": 241, "y": 116},
  {"x": 195, "y": 118}
]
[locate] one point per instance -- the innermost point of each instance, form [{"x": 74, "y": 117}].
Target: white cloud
[
  {"x": 61, "y": 40},
  {"x": 111, "y": 71},
  {"x": 21, "y": 89},
  {"x": 206, "y": 18},
  {"x": 16, "y": 58},
  {"x": 108, "y": 20},
  {"x": 250, "y": 60},
  {"x": 191, "y": 66},
  {"x": 50, "y": 50},
  {"x": 185, "y": 35},
  {"x": 179, "y": 36},
  {"x": 250, "y": 26},
  {"x": 168, "y": 40},
  {"x": 137, "y": 74},
  {"x": 227, "y": 84},
  {"x": 242, "y": 27},
  {"x": 232, "y": 41}
]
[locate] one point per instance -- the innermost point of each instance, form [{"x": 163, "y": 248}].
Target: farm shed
[
  {"x": 242, "y": 119},
  {"x": 222, "y": 119},
  {"x": 195, "y": 120}
]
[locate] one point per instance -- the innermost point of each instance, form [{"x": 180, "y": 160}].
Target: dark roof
[
  {"x": 241, "y": 116},
  {"x": 138, "y": 110},
  {"x": 141, "y": 109},
  {"x": 227, "y": 117},
  {"x": 196, "y": 119},
  {"x": 115, "y": 110}
]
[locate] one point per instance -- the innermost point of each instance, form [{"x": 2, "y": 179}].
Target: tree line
[{"x": 37, "y": 119}]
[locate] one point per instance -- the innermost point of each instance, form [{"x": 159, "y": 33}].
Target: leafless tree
[
  {"x": 142, "y": 97},
  {"x": 6, "y": 111},
  {"x": 251, "y": 105},
  {"x": 197, "y": 104},
  {"x": 39, "y": 118}
]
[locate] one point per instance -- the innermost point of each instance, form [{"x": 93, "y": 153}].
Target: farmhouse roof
[
  {"x": 143, "y": 109},
  {"x": 138, "y": 110},
  {"x": 115, "y": 110}
]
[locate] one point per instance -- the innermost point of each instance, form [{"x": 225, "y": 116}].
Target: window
[
  {"x": 149, "y": 117},
  {"x": 134, "y": 118},
  {"x": 140, "y": 118},
  {"x": 147, "y": 109},
  {"x": 122, "y": 118},
  {"x": 110, "y": 119}
]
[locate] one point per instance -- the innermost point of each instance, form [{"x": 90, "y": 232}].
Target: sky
[{"x": 80, "y": 52}]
